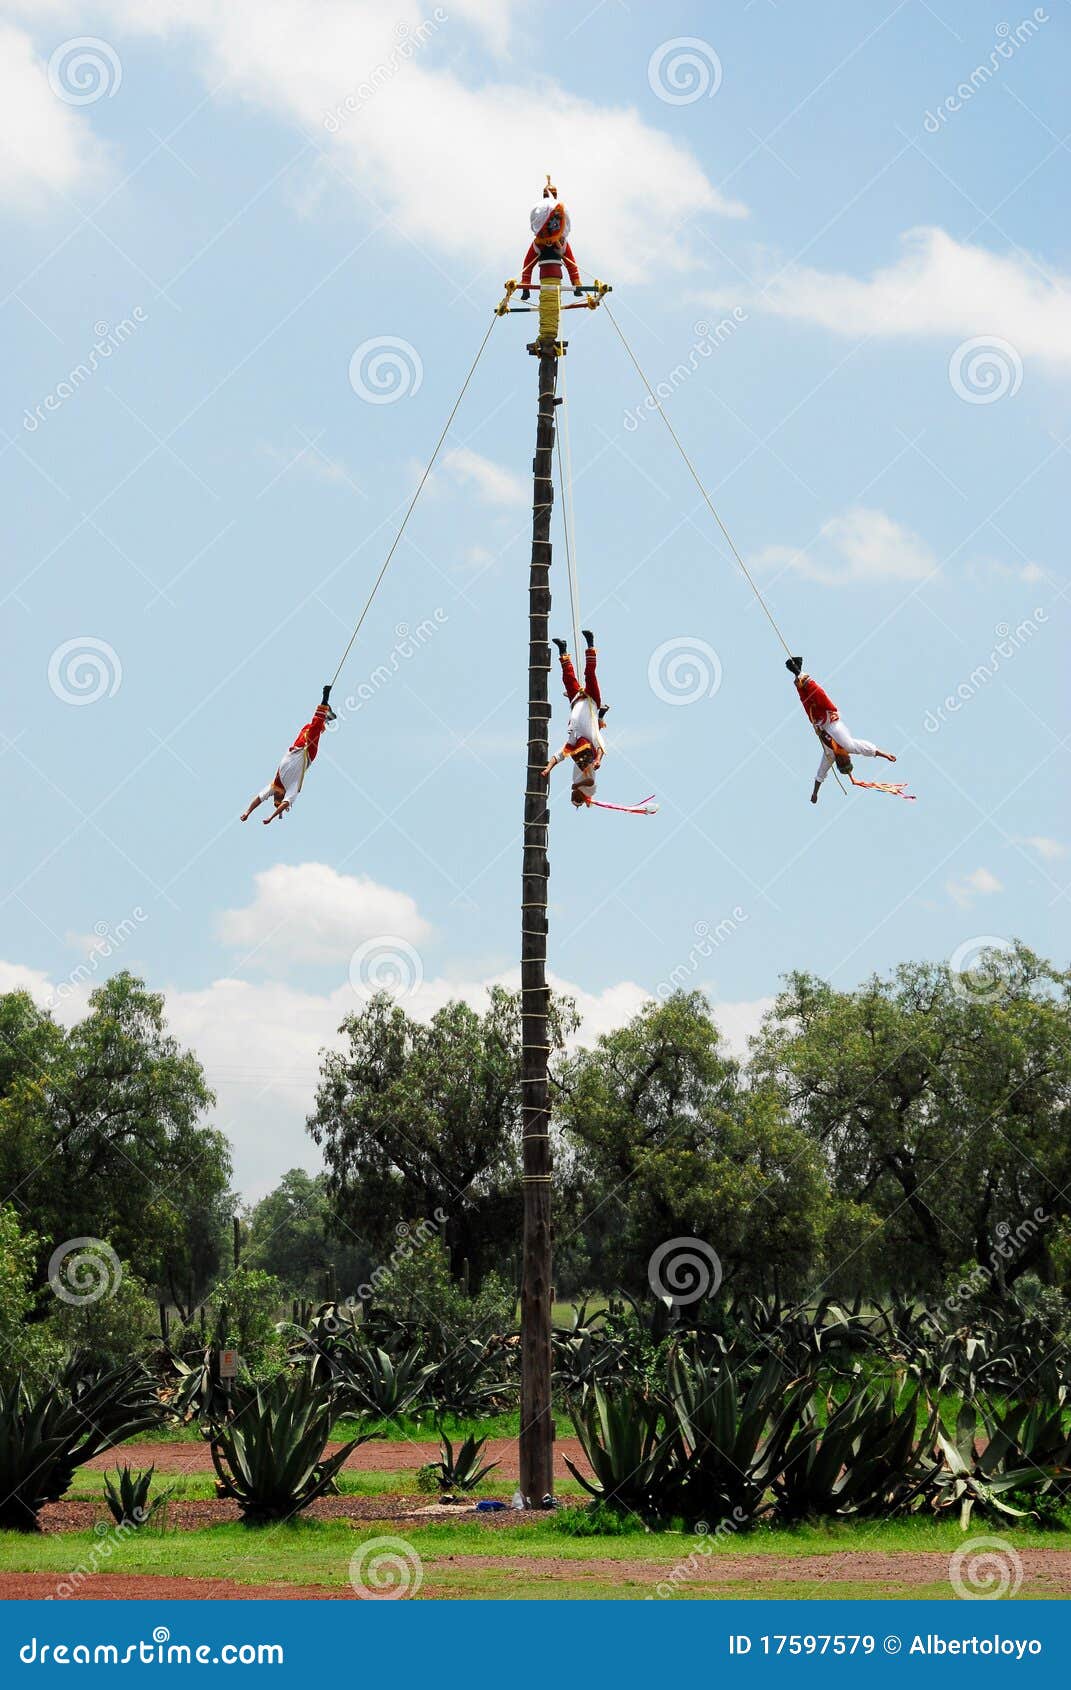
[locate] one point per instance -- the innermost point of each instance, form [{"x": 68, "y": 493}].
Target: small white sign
[{"x": 228, "y": 1364}]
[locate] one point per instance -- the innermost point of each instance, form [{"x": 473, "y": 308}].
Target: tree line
[{"x": 894, "y": 1137}]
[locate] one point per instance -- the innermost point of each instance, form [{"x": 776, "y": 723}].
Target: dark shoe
[
  {"x": 794, "y": 665},
  {"x": 526, "y": 293},
  {"x": 604, "y": 711},
  {"x": 563, "y": 647},
  {"x": 589, "y": 637}
]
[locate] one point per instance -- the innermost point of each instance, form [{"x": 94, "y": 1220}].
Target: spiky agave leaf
[{"x": 270, "y": 1457}]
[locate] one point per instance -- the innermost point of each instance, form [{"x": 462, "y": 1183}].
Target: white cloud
[
  {"x": 940, "y": 286},
  {"x": 980, "y": 883},
  {"x": 1049, "y": 850},
  {"x": 493, "y": 482},
  {"x": 44, "y": 144},
  {"x": 442, "y": 153},
  {"x": 308, "y": 912},
  {"x": 260, "y": 1045},
  {"x": 15, "y": 977},
  {"x": 860, "y": 545},
  {"x": 310, "y": 461}
]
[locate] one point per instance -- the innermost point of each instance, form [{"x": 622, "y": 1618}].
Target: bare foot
[{"x": 246, "y": 816}]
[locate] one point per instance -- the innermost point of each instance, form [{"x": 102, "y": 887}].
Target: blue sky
[{"x": 837, "y": 238}]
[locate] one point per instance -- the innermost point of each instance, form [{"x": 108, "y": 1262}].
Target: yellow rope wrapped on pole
[{"x": 550, "y": 302}]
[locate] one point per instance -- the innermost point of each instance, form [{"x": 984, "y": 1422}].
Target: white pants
[
  {"x": 291, "y": 773},
  {"x": 845, "y": 741}
]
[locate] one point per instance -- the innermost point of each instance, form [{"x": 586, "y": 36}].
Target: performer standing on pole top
[
  {"x": 583, "y": 741},
  {"x": 838, "y": 744},
  {"x": 286, "y": 783},
  {"x": 550, "y": 247}
]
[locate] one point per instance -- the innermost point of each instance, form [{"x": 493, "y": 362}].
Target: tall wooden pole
[{"x": 537, "y": 1421}]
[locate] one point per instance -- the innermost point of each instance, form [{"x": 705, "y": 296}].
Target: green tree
[
  {"x": 415, "y": 1118},
  {"x": 24, "y": 1346},
  {"x": 101, "y": 1134},
  {"x": 939, "y": 1102},
  {"x": 294, "y": 1233},
  {"x": 671, "y": 1144}
]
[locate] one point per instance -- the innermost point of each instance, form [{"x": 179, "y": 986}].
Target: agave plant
[
  {"x": 372, "y": 1382},
  {"x": 622, "y": 1433},
  {"x": 460, "y": 1472},
  {"x": 589, "y": 1349},
  {"x": 50, "y": 1427},
  {"x": 270, "y": 1456},
  {"x": 729, "y": 1441},
  {"x": 128, "y": 1497},
  {"x": 864, "y": 1456},
  {"x": 978, "y": 1470},
  {"x": 470, "y": 1379}
]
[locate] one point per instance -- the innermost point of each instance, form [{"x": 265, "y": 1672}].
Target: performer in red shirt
[
  {"x": 584, "y": 742},
  {"x": 550, "y": 247},
  {"x": 286, "y": 783},
  {"x": 838, "y": 744}
]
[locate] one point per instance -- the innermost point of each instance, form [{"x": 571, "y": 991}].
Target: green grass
[
  {"x": 547, "y": 1562},
  {"x": 88, "y": 1485}
]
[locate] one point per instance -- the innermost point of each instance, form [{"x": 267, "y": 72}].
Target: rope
[
  {"x": 565, "y": 480},
  {"x": 420, "y": 488},
  {"x": 695, "y": 477},
  {"x": 707, "y": 500}
]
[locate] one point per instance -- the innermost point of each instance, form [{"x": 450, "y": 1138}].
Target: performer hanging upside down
[
  {"x": 583, "y": 741},
  {"x": 838, "y": 745},
  {"x": 288, "y": 778},
  {"x": 550, "y": 247}
]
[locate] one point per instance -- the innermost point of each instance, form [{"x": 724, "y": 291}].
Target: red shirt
[
  {"x": 308, "y": 740},
  {"x": 817, "y": 703},
  {"x": 550, "y": 255}
]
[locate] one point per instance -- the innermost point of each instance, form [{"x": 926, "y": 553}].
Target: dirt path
[
  {"x": 376, "y": 1456},
  {"x": 147, "y": 1587},
  {"x": 1046, "y": 1572}
]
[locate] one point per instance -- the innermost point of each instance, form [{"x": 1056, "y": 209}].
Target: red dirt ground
[
  {"x": 377, "y": 1456},
  {"x": 1046, "y": 1572},
  {"x": 146, "y": 1587}
]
